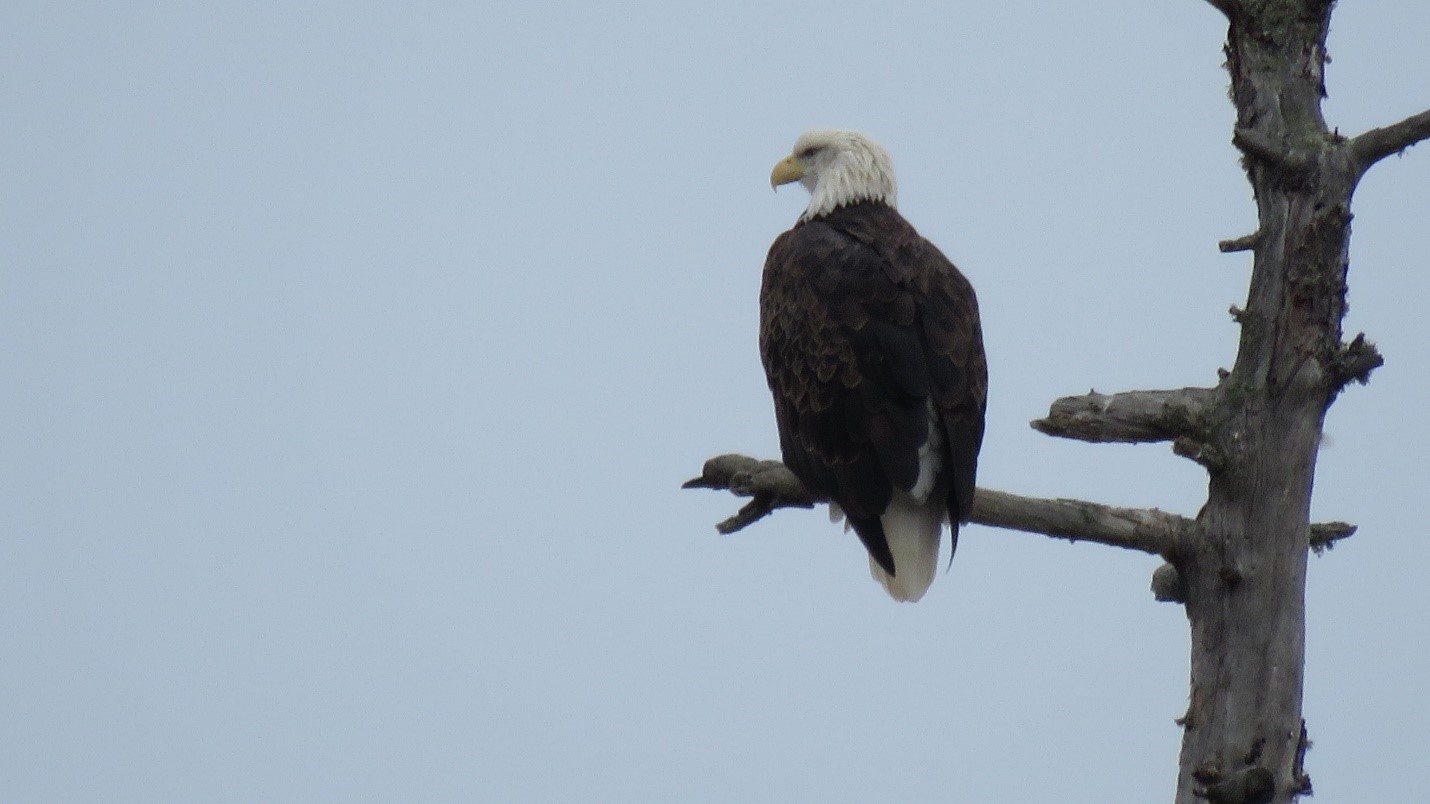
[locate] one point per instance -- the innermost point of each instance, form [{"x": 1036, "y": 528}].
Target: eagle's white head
[{"x": 838, "y": 167}]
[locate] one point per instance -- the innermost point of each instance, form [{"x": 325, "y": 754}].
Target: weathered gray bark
[
  {"x": 1240, "y": 566},
  {"x": 1245, "y": 577}
]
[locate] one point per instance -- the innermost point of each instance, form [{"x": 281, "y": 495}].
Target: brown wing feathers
[{"x": 862, "y": 322}]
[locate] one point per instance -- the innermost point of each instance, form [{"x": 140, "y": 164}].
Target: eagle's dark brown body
[{"x": 866, "y": 331}]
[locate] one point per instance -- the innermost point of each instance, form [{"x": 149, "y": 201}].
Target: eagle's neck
[{"x": 852, "y": 177}]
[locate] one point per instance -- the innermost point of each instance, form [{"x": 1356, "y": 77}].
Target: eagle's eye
[{"x": 805, "y": 153}]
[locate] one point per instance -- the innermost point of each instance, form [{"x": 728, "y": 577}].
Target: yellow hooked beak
[{"x": 786, "y": 170}]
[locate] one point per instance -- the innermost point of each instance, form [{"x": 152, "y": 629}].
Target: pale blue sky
[{"x": 354, "y": 355}]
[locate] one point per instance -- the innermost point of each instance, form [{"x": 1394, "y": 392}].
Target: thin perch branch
[
  {"x": 1243, "y": 243},
  {"x": 1131, "y": 418},
  {"x": 1324, "y": 535},
  {"x": 1378, "y": 143},
  {"x": 771, "y": 485},
  {"x": 1146, "y": 529}
]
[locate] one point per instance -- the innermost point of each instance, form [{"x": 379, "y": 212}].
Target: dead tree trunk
[
  {"x": 1240, "y": 566},
  {"x": 1244, "y": 576}
]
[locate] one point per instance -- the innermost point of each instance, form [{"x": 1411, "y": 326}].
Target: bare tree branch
[
  {"x": 1131, "y": 417},
  {"x": 1145, "y": 529},
  {"x": 1378, "y": 143},
  {"x": 1356, "y": 360},
  {"x": 1324, "y": 535},
  {"x": 771, "y": 485},
  {"x": 1243, "y": 243}
]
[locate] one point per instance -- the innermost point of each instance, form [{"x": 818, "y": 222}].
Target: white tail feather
[
  {"x": 913, "y": 523},
  {"x": 913, "y": 530}
]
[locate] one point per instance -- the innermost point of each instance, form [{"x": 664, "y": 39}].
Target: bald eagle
[{"x": 873, "y": 350}]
